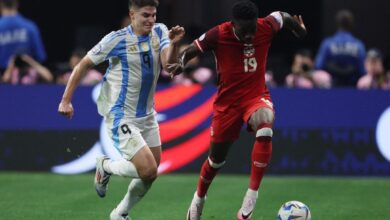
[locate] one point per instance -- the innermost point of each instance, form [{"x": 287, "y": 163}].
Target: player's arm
[
  {"x": 65, "y": 108},
  {"x": 178, "y": 65},
  {"x": 295, "y": 24},
  {"x": 206, "y": 42},
  {"x": 169, "y": 54}
]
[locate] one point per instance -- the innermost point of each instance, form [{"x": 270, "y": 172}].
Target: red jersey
[{"x": 240, "y": 67}]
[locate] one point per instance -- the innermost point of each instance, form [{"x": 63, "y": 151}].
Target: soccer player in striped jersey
[
  {"x": 126, "y": 101},
  {"x": 240, "y": 48}
]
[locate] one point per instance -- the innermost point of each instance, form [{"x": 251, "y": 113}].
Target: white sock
[
  {"x": 252, "y": 193},
  {"x": 123, "y": 168},
  {"x": 198, "y": 199},
  {"x": 136, "y": 191}
]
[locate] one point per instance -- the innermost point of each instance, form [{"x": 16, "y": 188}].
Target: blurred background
[
  {"x": 323, "y": 125},
  {"x": 326, "y": 126}
]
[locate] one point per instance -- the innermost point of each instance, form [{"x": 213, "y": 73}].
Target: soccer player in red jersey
[{"x": 240, "y": 48}]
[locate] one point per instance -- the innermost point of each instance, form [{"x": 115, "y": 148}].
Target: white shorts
[{"x": 129, "y": 135}]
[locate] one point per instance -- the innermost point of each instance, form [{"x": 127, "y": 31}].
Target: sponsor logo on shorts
[{"x": 133, "y": 142}]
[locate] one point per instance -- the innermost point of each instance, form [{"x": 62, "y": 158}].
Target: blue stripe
[
  {"x": 164, "y": 41},
  {"x": 117, "y": 109},
  {"x": 163, "y": 45},
  {"x": 115, "y": 132},
  {"x": 113, "y": 35},
  {"x": 147, "y": 77},
  {"x": 107, "y": 72},
  {"x": 158, "y": 31}
]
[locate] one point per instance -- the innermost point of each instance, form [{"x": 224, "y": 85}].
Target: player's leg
[
  {"x": 224, "y": 130},
  {"x": 128, "y": 141},
  {"x": 138, "y": 187},
  {"x": 261, "y": 122},
  {"x": 210, "y": 167}
]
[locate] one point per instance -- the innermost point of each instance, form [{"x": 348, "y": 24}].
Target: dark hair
[
  {"x": 9, "y": 3},
  {"x": 19, "y": 62},
  {"x": 305, "y": 53},
  {"x": 245, "y": 10},
  {"x": 143, "y": 3},
  {"x": 345, "y": 20}
]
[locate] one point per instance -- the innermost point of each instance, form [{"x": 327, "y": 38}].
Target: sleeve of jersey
[
  {"x": 105, "y": 49},
  {"x": 208, "y": 40},
  {"x": 164, "y": 39},
  {"x": 275, "y": 20}
]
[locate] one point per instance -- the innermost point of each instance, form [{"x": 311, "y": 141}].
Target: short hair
[
  {"x": 245, "y": 10},
  {"x": 345, "y": 20},
  {"x": 143, "y": 3},
  {"x": 9, "y": 3},
  {"x": 304, "y": 53}
]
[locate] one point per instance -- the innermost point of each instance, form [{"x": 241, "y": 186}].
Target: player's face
[
  {"x": 143, "y": 19},
  {"x": 245, "y": 30}
]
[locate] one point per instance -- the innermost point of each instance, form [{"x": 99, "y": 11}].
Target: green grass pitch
[{"x": 48, "y": 196}]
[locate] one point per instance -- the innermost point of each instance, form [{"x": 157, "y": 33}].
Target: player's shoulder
[
  {"x": 27, "y": 23},
  {"x": 224, "y": 28},
  {"x": 159, "y": 26},
  {"x": 115, "y": 35}
]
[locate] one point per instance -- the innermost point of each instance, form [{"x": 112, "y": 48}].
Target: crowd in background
[{"x": 341, "y": 61}]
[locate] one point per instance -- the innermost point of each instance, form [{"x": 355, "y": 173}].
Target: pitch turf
[{"x": 47, "y": 196}]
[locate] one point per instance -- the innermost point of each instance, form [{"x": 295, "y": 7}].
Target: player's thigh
[
  {"x": 156, "y": 151},
  {"x": 151, "y": 134},
  {"x": 145, "y": 163}
]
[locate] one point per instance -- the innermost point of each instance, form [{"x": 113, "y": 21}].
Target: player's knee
[
  {"x": 149, "y": 174},
  {"x": 215, "y": 165},
  {"x": 260, "y": 117}
]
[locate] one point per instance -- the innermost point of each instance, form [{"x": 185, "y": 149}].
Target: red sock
[
  {"x": 261, "y": 155},
  {"x": 207, "y": 175}
]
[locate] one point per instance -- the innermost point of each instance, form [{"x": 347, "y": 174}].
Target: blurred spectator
[
  {"x": 342, "y": 55},
  {"x": 18, "y": 35},
  {"x": 303, "y": 74},
  {"x": 91, "y": 78},
  {"x": 269, "y": 79},
  {"x": 23, "y": 69},
  {"x": 375, "y": 77}
]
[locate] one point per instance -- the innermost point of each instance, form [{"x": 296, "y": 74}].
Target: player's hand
[
  {"x": 176, "y": 34},
  {"x": 303, "y": 31},
  {"x": 66, "y": 109},
  {"x": 174, "y": 69}
]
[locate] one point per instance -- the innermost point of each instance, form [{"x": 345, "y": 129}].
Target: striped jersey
[{"x": 134, "y": 66}]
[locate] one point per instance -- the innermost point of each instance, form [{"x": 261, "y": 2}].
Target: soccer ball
[{"x": 294, "y": 210}]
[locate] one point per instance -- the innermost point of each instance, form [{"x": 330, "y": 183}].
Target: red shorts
[{"x": 226, "y": 125}]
